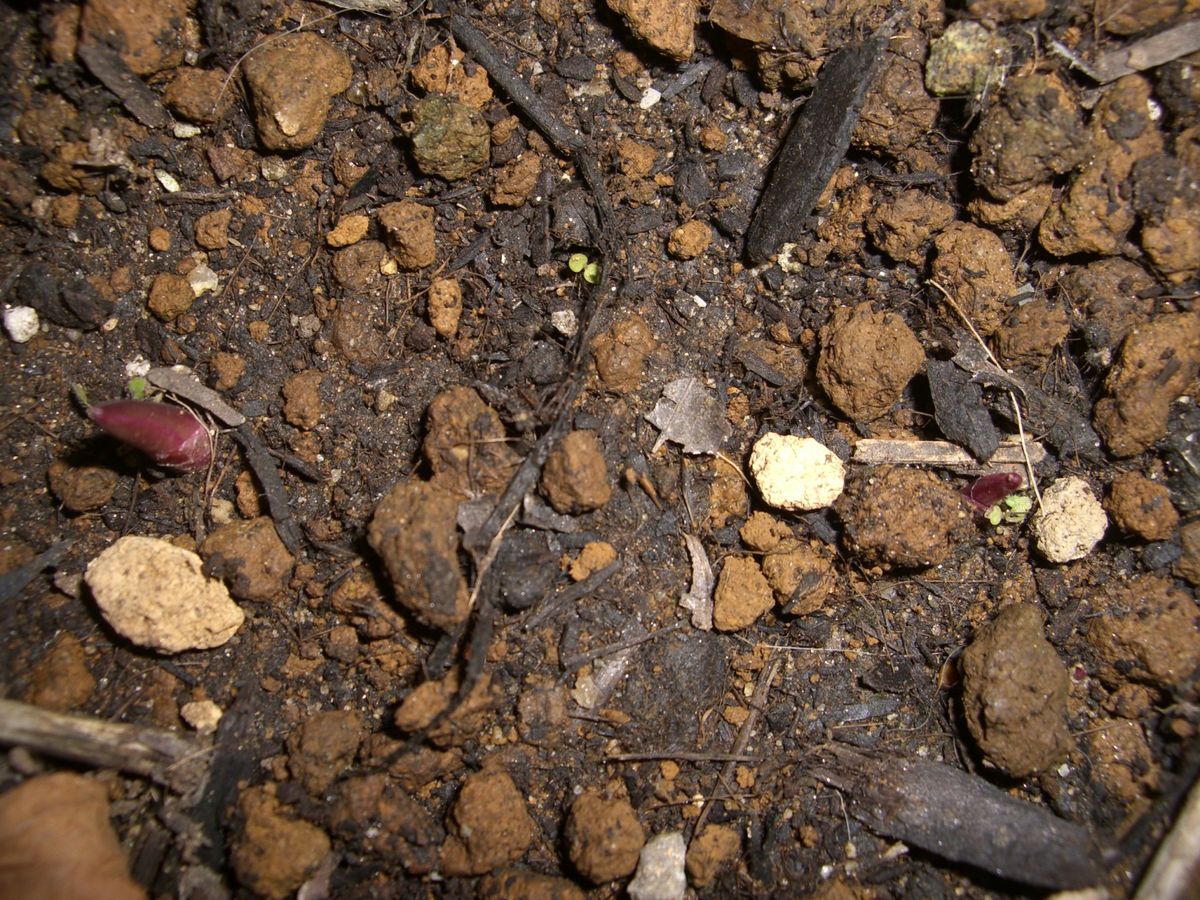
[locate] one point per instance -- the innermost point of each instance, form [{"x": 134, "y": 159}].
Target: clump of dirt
[
  {"x": 604, "y": 837},
  {"x": 902, "y": 518},
  {"x": 1015, "y": 693},
  {"x": 866, "y": 360}
]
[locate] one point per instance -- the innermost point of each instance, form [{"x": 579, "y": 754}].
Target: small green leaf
[
  {"x": 80, "y": 393},
  {"x": 995, "y": 515},
  {"x": 138, "y": 387},
  {"x": 577, "y": 262},
  {"x": 1018, "y": 503},
  {"x": 591, "y": 273}
]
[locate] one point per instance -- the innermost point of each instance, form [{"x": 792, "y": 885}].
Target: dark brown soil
[{"x": 369, "y": 247}]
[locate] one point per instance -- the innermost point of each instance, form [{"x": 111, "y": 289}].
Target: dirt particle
[
  {"x": 667, "y": 27},
  {"x": 228, "y": 368},
  {"x": 901, "y": 517},
  {"x": 575, "y": 478},
  {"x": 898, "y": 112},
  {"x": 374, "y": 813},
  {"x": 1122, "y": 760},
  {"x": 1032, "y": 333},
  {"x": 349, "y": 230},
  {"x": 250, "y": 557},
  {"x": 1149, "y": 632},
  {"x": 604, "y": 837},
  {"x": 441, "y": 71},
  {"x": 1015, "y": 692},
  {"x": 1141, "y": 507},
  {"x": 866, "y": 360},
  {"x": 634, "y": 158},
  {"x": 516, "y": 180},
  {"x": 1157, "y": 362},
  {"x": 155, "y": 594},
  {"x": 358, "y": 266},
  {"x": 489, "y": 826},
  {"x": 212, "y": 230},
  {"x": 1023, "y": 212},
  {"x": 763, "y": 531},
  {"x": 61, "y": 680},
  {"x": 274, "y": 853},
  {"x": 171, "y": 296},
  {"x": 195, "y": 94},
  {"x": 710, "y": 851},
  {"x": 449, "y": 139},
  {"x": 901, "y": 225},
  {"x": 159, "y": 239},
  {"x": 972, "y": 264},
  {"x": 410, "y": 232},
  {"x": 1092, "y": 215},
  {"x": 81, "y": 488},
  {"x": 801, "y": 576},
  {"x": 445, "y": 306},
  {"x": 415, "y": 532},
  {"x": 323, "y": 747},
  {"x": 302, "y": 399},
  {"x": 292, "y": 82},
  {"x": 146, "y": 32},
  {"x": 1071, "y": 521},
  {"x": 426, "y": 702},
  {"x": 1188, "y": 566},
  {"x": 689, "y": 240},
  {"x": 1033, "y": 133},
  {"x": 742, "y": 594},
  {"x": 594, "y": 556},
  {"x": 465, "y": 443},
  {"x": 966, "y": 60},
  {"x": 522, "y": 884},
  {"x": 620, "y": 354}
]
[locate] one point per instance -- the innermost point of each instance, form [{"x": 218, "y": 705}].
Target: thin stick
[
  {"x": 582, "y": 659},
  {"x": 686, "y": 756},
  {"x": 739, "y": 746},
  {"x": 159, "y": 755}
]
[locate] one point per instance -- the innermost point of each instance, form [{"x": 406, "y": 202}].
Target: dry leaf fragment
[
  {"x": 690, "y": 416},
  {"x": 699, "y": 598}
]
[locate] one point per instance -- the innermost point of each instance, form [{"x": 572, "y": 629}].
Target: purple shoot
[
  {"x": 170, "y": 435},
  {"x": 984, "y": 493}
]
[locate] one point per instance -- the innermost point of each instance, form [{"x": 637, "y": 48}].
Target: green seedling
[
  {"x": 1012, "y": 510},
  {"x": 579, "y": 262},
  {"x": 138, "y": 387}
]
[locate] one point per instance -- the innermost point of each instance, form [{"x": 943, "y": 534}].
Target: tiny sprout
[
  {"x": 577, "y": 262},
  {"x": 591, "y": 273},
  {"x": 138, "y": 387}
]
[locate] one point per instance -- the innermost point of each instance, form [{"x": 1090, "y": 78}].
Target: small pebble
[
  {"x": 796, "y": 472},
  {"x": 1071, "y": 521},
  {"x": 21, "y": 323},
  {"x": 660, "y": 872}
]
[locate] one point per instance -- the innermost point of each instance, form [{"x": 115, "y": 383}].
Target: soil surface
[{"x": 562, "y": 551}]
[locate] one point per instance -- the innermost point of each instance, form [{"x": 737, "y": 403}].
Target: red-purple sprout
[
  {"x": 170, "y": 435},
  {"x": 984, "y": 493}
]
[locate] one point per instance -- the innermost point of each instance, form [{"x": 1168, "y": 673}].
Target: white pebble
[
  {"x": 202, "y": 279},
  {"x": 1071, "y": 521},
  {"x": 21, "y": 323},
  {"x": 564, "y": 322},
  {"x": 796, "y": 472},
  {"x": 660, "y": 872}
]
